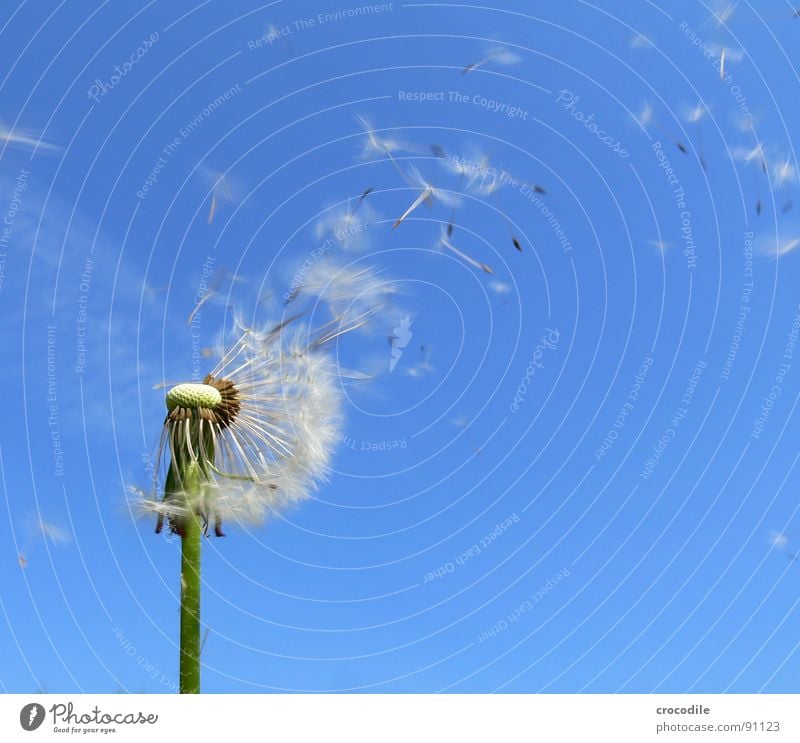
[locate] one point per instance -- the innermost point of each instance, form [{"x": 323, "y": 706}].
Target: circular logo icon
[{"x": 31, "y": 716}]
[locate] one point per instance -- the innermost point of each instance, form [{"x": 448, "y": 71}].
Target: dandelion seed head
[{"x": 261, "y": 429}]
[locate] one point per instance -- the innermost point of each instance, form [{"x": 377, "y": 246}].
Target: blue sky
[{"x": 581, "y": 475}]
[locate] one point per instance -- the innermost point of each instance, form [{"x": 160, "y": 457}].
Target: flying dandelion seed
[
  {"x": 25, "y": 139},
  {"x": 646, "y": 118},
  {"x": 350, "y": 291},
  {"x": 428, "y": 194},
  {"x": 784, "y": 173},
  {"x": 211, "y": 291},
  {"x": 221, "y": 186},
  {"x": 639, "y": 41},
  {"x": 274, "y": 33},
  {"x": 422, "y": 367},
  {"x": 778, "y": 540},
  {"x": 424, "y": 195},
  {"x": 339, "y": 225},
  {"x": 41, "y": 530},
  {"x": 500, "y": 287},
  {"x": 499, "y": 54},
  {"x": 778, "y": 247},
  {"x": 445, "y": 243},
  {"x": 722, "y": 15},
  {"x": 361, "y": 198},
  {"x": 694, "y": 115},
  {"x": 375, "y": 145}
]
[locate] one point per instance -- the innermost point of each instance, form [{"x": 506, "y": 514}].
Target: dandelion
[
  {"x": 254, "y": 437},
  {"x": 257, "y": 434}
]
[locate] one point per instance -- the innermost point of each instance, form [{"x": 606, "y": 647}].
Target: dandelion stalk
[{"x": 185, "y": 482}]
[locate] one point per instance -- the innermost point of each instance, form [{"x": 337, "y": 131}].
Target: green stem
[{"x": 191, "y": 542}]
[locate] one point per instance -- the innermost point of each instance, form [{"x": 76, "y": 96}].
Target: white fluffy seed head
[{"x": 273, "y": 445}]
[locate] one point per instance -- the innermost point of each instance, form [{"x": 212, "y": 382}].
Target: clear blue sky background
[{"x": 602, "y": 579}]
